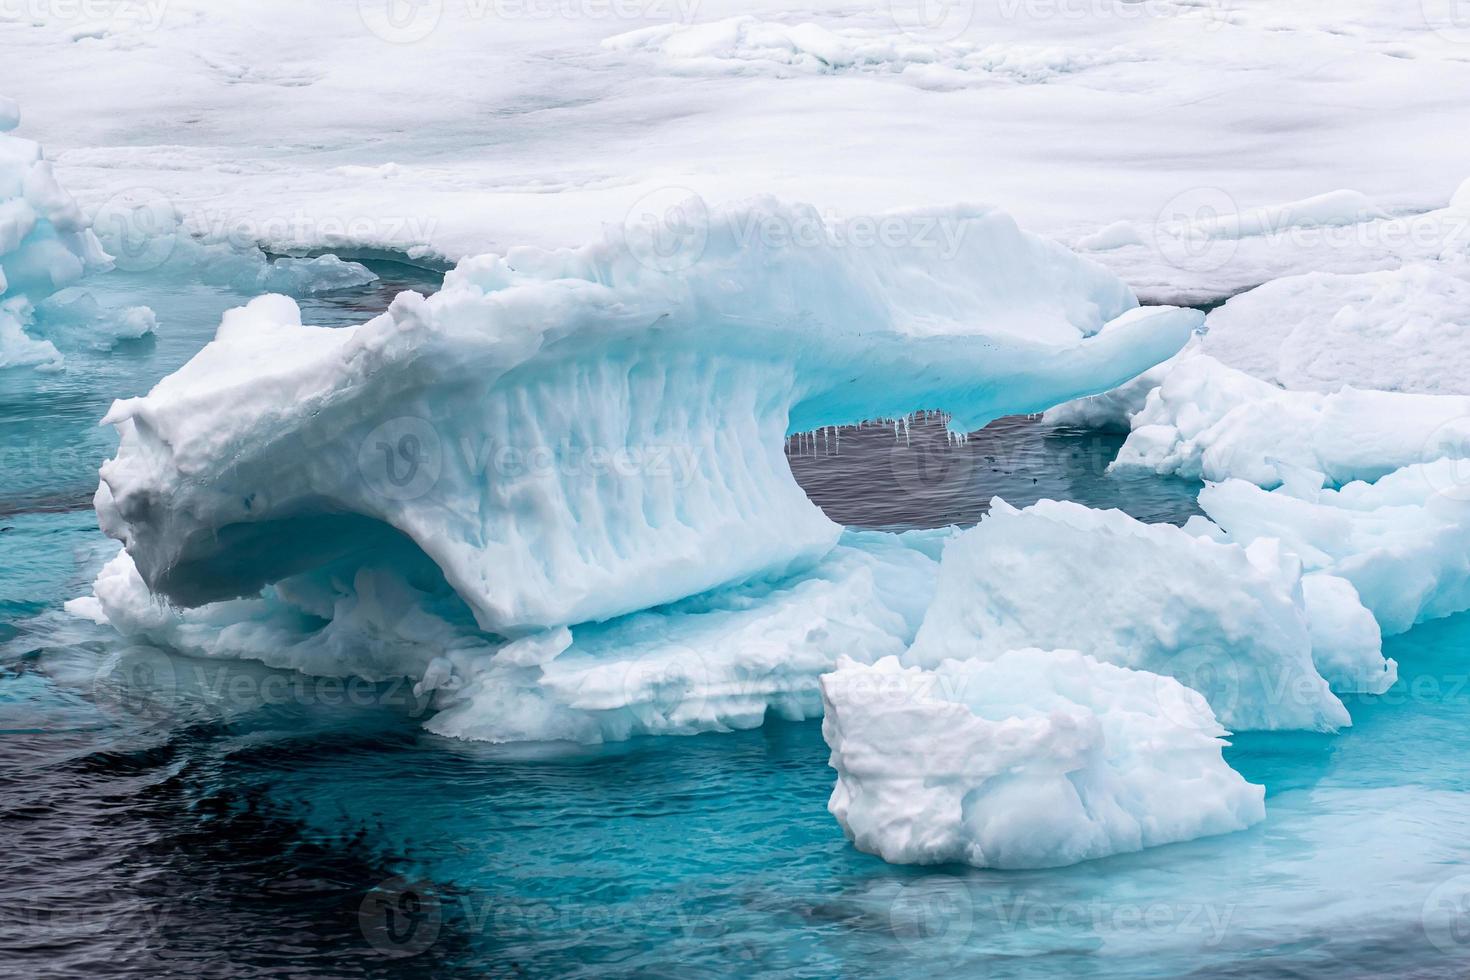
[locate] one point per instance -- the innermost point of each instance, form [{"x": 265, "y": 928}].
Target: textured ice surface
[
  {"x": 1210, "y": 421},
  {"x": 1403, "y": 541},
  {"x": 715, "y": 662},
  {"x": 46, "y": 244},
  {"x": 1405, "y": 329},
  {"x": 1031, "y": 759},
  {"x": 1227, "y": 620},
  {"x": 749, "y": 45},
  {"x": 579, "y": 434}
]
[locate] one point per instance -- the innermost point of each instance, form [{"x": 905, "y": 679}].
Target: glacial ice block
[
  {"x": 1034, "y": 759},
  {"x": 1226, "y": 620},
  {"x": 574, "y": 435},
  {"x": 1213, "y": 422},
  {"x": 714, "y": 662},
  {"x": 45, "y": 245},
  {"x": 1403, "y": 542}
]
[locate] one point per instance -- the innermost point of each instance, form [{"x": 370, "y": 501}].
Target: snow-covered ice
[
  {"x": 1210, "y": 421},
  {"x": 1030, "y": 759},
  {"x": 1405, "y": 329},
  {"x": 1229, "y": 621},
  {"x": 1402, "y": 541},
  {"x": 532, "y": 128}
]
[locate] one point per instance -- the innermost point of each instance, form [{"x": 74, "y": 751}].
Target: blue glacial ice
[
  {"x": 575, "y": 435},
  {"x": 46, "y": 245}
]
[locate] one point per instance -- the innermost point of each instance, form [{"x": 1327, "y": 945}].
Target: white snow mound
[
  {"x": 1033, "y": 759},
  {"x": 1226, "y": 620}
]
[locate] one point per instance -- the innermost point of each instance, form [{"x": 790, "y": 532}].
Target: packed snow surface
[
  {"x": 1029, "y": 759},
  {"x": 1405, "y": 329},
  {"x": 1227, "y": 620},
  {"x": 576, "y": 435}
]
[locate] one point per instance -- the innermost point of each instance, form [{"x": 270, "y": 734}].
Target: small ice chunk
[{"x": 1033, "y": 759}]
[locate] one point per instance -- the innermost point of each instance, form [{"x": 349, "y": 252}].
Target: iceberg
[
  {"x": 1032, "y": 759},
  {"x": 1229, "y": 621},
  {"x": 575, "y": 435},
  {"x": 715, "y": 662},
  {"x": 46, "y": 245},
  {"x": 1213, "y": 422},
  {"x": 1403, "y": 542}
]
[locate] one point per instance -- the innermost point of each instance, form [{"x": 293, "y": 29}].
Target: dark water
[
  {"x": 893, "y": 478},
  {"x": 246, "y": 822}
]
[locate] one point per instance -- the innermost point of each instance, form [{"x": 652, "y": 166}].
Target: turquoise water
[{"x": 241, "y": 821}]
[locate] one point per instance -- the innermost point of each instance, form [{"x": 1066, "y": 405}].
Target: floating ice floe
[
  {"x": 575, "y": 435},
  {"x": 1232, "y": 622},
  {"x": 714, "y": 662},
  {"x": 1402, "y": 541},
  {"x": 1212, "y": 422},
  {"x": 1029, "y": 759},
  {"x": 45, "y": 245}
]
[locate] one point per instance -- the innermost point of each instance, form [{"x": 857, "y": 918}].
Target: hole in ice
[{"x": 913, "y": 473}]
